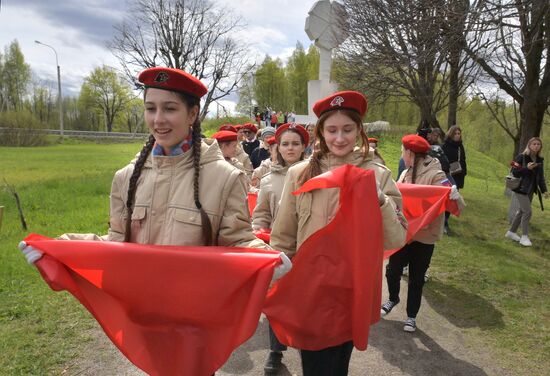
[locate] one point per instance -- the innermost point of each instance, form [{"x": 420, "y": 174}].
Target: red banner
[
  {"x": 333, "y": 292},
  {"x": 170, "y": 310}
]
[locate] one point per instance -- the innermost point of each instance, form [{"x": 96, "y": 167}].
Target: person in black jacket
[
  {"x": 529, "y": 167},
  {"x": 250, "y": 142},
  {"x": 262, "y": 151},
  {"x": 454, "y": 151}
]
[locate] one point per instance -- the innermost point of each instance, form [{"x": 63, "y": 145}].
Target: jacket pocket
[
  {"x": 303, "y": 208},
  {"x": 186, "y": 227},
  {"x": 139, "y": 216}
]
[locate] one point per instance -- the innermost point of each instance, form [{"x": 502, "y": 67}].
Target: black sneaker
[
  {"x": 410, "y": 324},
  {"x": 387, "y": 307},
  {"x": 273, "y": 363}
]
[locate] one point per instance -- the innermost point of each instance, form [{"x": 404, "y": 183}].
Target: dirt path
[{"x": 437, "y": 348}]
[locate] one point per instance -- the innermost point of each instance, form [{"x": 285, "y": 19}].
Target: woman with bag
[
  {"x": 454, "y": 151},
  {"x": 528, "y": 166}
]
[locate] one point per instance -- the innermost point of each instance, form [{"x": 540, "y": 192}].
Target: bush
[{"x": 20, "y": 129}]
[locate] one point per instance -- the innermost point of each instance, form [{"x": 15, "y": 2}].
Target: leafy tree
[
  {"x": 270, "y": 85},
  {"x": 15, "y": 77},
  {"x": 104, "y": 90},
  {"x": 298, "y": 67}
]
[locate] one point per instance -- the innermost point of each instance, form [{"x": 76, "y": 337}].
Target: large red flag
[
  {"x": 422, "y": 204},
  {"x": 333, "y": 292},
  {"x": 170, "y": 310}
]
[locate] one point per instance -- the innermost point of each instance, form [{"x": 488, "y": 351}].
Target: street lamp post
[{"x": 59, "y": 96}]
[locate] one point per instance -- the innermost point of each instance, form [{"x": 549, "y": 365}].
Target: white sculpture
[{"x": 323, "y": 27}]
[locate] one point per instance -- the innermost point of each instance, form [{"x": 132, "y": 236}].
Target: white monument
[{"x": 322, "y": 27}]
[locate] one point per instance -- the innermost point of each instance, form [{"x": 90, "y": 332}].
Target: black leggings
[{"x": 418, "y": 256}]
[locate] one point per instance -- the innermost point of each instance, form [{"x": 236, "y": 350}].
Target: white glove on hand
[
  {"x": 454, "y": 195},
  {"x": 281, "y": 270},
  {"x": 31, "y": 254}
]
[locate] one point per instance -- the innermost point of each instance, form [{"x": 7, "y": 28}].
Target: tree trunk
[{"x": 454, "y": 61}]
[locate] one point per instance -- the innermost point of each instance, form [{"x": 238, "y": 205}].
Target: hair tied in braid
[{"x": 132, "y": 185}]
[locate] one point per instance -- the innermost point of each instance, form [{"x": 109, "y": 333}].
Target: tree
[
  {"x": 270, "y": 85},
  {"x": 297, "y": 72},
  {"x": 15, "y": 77},
  {"x": 516, "y": 55},
  {"x": 192, "y": 35},
  {"x": 104, "y": 90},
  {"x": 397, "y": 49}
]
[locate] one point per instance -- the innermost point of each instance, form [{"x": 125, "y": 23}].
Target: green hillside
[{"x": 493, "y": 289}]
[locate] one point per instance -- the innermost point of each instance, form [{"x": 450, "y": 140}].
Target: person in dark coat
[
  {"x": 262, "y": 152},
  {"x": 454, "y": 151},
  {"x": 251, "y": 142},
  {"x": 528, "y": 166}
]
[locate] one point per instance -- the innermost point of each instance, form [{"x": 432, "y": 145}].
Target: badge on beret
[
  {"x": 162, "y": 77},
  {"x": 337, "y": 101}
]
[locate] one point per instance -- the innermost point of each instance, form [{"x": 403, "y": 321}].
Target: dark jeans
[
  {"x": 417, "y": 255},
  {"x": 332, "y": 361},
  {"x": 274, "y": 344}
]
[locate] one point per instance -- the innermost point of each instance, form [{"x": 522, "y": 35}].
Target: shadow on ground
[
  {"x": 241, "y": 362},
  {"x": 475, "y": 312},
  {"x": 417, "y": 354}
]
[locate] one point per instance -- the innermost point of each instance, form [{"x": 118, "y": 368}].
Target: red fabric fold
[
  {"x": 333, "y": 292},
  {"x": 252, "y": 199},
  {"x": 170, "y": 310},
  {"x": 422, "y": 204}
]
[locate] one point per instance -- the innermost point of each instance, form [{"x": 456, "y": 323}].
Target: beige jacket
[
  {"x": 267, "y": 204},
  {"x": 428, "y": 173},
  {"x": 261, "y": 170},
  {"x": 300, "y": 216},
  {"x": 165, "y": 211},
  {"x": 242, "y": 157}
]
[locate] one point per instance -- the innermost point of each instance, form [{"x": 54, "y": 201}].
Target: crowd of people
[{"x": 177, "y": 170}]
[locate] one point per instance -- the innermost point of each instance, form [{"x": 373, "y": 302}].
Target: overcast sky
[{"x": 79, "y": 30}]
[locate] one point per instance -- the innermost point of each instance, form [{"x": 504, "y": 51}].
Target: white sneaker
[
  {"x": 512, "y": 235},
  {"x": 410, "y": 325},
  {"x": 524, "y": 241}
]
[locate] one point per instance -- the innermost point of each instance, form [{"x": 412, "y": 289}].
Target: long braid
[
  {"x": 132, "y": 186},
  {"x": 205, "y": 220}
]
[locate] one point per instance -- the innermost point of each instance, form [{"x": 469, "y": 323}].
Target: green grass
[{"x": 495, "y": 291}]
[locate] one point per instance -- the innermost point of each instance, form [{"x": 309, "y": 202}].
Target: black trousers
[
  {"x": 418, "y": 256},
  {"x": 332, "y": 361},
  {"x": 274, "y": 344}
]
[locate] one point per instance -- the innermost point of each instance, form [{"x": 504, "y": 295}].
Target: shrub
[{"x": 21, "y": 128}]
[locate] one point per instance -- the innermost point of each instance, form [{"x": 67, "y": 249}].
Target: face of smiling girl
[
  {"x": 169, "y": 119},
  {"x": 340, "y": 133}
]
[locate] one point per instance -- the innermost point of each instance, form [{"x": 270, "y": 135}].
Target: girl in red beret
[
  {"x": 342, "y": 140},
  {"x": 179, "y": 190},
  {"x": 291, "y": 142},
  {"x": 420, "y": 169}
]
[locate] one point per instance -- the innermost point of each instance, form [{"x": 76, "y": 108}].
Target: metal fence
[{"x": 81, "y": 134}]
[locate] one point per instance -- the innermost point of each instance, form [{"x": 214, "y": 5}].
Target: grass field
[{"x": 497, "y": 292}]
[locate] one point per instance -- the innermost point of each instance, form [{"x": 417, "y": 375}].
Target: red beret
[
  {"x": 228, "y": 127},
  {"x": 373, "y": 140},
  {"x": 271, "y": 140},
  {"x": 225, "y": 136},
  {"x": 172, "y": 79},
  {"x": 251, "y": 127},
  {"x": 300, "y": 129},
  {"x": 238, "y": 127},
  {"x": 415, "y": 143},
  {"x": 348, "y": 100}
]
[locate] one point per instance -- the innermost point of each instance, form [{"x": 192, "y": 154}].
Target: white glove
[
  {"x": 31, "y": 254},
  {"x": 454, "y": 195},
  {"x": 281, "y": 270}
]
